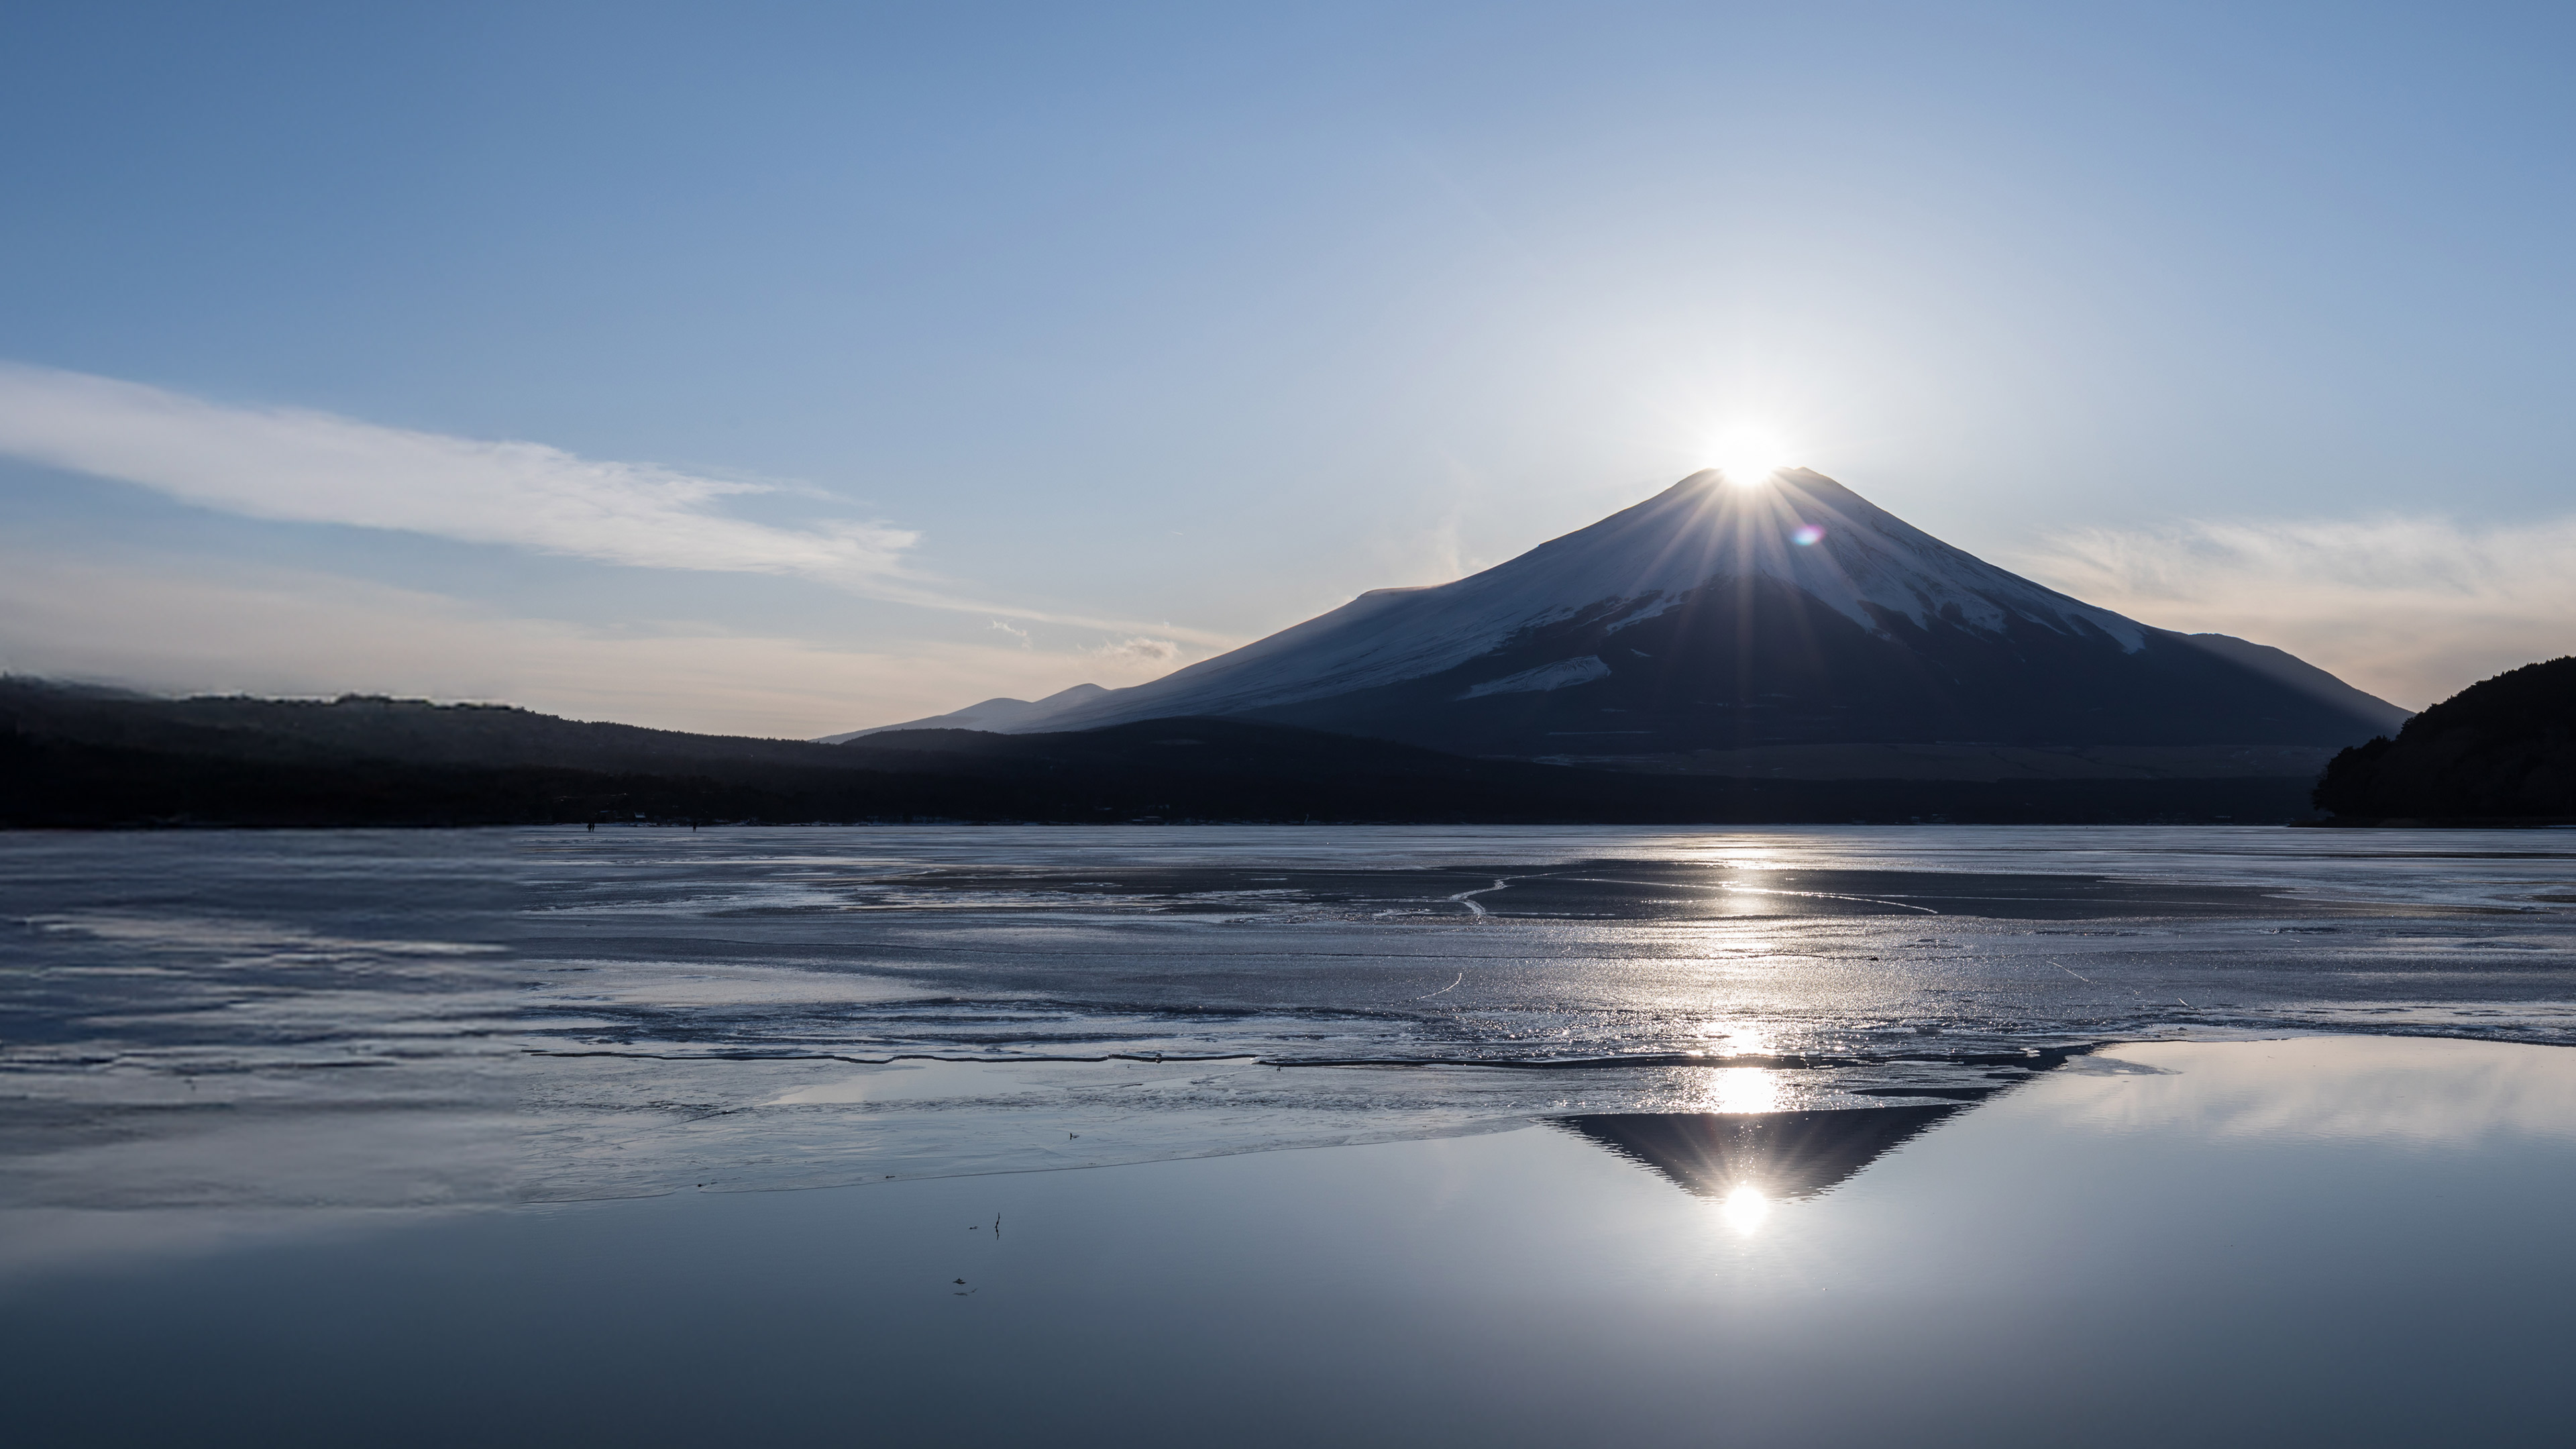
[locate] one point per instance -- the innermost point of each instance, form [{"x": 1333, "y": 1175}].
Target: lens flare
[{"x": 1805, "y": 534}]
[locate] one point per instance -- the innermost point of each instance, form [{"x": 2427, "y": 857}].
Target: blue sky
[{"x": 863, "y": 362}]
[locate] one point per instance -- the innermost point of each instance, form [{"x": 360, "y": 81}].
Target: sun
[{"x": 1746, "y": 454}]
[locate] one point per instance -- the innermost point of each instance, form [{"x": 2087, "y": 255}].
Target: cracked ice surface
[{"x": 203, "y": 1026}]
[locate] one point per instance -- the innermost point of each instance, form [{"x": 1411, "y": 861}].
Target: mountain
[
  {"x": 1714, "y": 619},
  {"x": 2503, "y": 748},
  {"x": 997, "y": 716}
]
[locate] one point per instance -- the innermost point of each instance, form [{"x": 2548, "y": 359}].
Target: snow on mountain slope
[
  {"x": 1865, "y": 564},
  {"x": 1715, "y": 617},
  {"x": 1563, "y": 674}
]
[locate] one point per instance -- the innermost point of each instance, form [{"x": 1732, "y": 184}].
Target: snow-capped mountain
[{"x": 1715, "y": 616}]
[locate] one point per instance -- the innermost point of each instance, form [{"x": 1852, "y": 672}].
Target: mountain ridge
[{"x": 1713, "y": 617}]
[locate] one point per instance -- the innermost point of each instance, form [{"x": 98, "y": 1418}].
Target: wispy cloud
[
  {"x": 299, "y": 465},
  {"x": 314, "y": 467},
  {"x": 1139, "y": 650},
  {"x": 2409, "y": 608}
]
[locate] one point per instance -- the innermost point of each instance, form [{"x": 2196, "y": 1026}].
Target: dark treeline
[
  {"x": 57, "y": 783},
  {"x": 2504, "y": 748},
  {"x": 73, "y": 758}
]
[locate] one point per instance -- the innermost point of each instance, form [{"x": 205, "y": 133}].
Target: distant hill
[
  {"x": 73, "y": 757},
  {"x": 2502, "y": 748},
  {"x": 374, "y": 727},
  {"x": 992, "y": 716}
]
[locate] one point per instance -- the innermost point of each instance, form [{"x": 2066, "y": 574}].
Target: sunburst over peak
[{"x": 1749, "y": 454}]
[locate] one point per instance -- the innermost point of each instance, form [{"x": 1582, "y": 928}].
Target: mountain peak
[
  {"x": 1714, "y": 615},
  {"x": 1800, "y": 529}
]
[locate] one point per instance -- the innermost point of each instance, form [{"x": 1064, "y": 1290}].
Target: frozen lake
[{"x": 371, "y": 1019}]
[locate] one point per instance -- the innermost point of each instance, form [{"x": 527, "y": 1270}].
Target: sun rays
[{"x": 1748, "y": 454}]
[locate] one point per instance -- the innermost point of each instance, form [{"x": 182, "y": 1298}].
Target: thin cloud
[
  {"x": 298, "y": 465},
  {"x": 2412, "y": 609},
  {"x": 314, "y": 467},
  {"x": 1140, "y": 650}
]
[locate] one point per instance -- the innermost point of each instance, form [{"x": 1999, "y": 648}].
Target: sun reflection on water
[
  {"x": 1739, "y": 1039},
  {"x": 1742, "y": 1089}
]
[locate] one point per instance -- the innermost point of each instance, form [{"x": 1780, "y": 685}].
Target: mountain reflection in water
[{"x": 1781, "y": 1155}]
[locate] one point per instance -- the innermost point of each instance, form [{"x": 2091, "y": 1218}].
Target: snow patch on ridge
[
  {"x": 1563, "y": 674},
  {"x": 1652, "y": 604}
]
